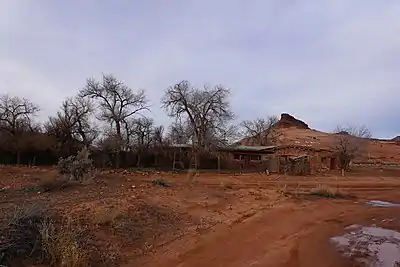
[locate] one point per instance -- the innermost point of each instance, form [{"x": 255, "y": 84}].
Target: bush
[
  {"x": 20, "y": 235},
  {"x": 161, "y": 182},
  {"x": 63, "y": 246},
  {"x": 326, "y": 191},
  {"x": 77, "y": 168},
  {"x": 29, "y": 233},
  {"x": 50, "y": 184}
]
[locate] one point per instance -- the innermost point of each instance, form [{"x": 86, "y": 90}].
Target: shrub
[
  {"x": 49, "y": 184},
  {"x": 68, "y": 251},
  {"x": 61, "y": 246},
  {"x": 19, "y": 234},
  {"x": 161, "y": 182},
  {"x": 326, "y": 191},
  {"x": 29, "y": 233},
  {"x": 77, "y": 168}
]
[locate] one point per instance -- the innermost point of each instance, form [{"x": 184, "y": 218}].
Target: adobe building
[{"x": 281, "y": 158}]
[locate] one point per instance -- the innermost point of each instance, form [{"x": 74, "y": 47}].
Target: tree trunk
[
  {"x": 117, "y": 159},
  {"x": 18, "y": 156},
  {"x": 119, "y": 145},
  {"x": 138, "y": 160}
]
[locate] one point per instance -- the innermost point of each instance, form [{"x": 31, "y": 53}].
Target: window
[{"x": 255, "y": 157}]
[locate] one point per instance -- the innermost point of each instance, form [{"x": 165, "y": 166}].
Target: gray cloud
[{"x": 327, "y": 62}]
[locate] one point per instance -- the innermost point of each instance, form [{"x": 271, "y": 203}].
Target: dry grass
[
  {"x": 61, "y": 246},
  {"x": 106, "y": 216},
  {"x": 31, "y": 233},
  {"x": 19, "y": 233},
  {"x": 326, "y": 191}
]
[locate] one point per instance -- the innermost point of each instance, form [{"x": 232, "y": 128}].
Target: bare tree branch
[
  {"x": 16, "y": 116},
  {"x": 117, "y": 103},
  {"x": 204, "y": 111},
  {"x": 349, "y": 143},
  {"x": 262, "y": 130},
  {"x": 73, "y": 123}
]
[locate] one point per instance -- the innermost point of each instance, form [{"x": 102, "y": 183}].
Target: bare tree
[
  {"x": 16, "y": 116},
  {"x": 158, "y": 137},
  {"x": 117, "y": 103},
  {"x": 179, "y": 133},
  {"x": 73, "y": 125},
  {"x": 140, "y": 135},
  {"x": 349, "y": 143},
  {"x": 205, "y": 110},
  {"x": 205, "y": 113},
  {"x": 261, "y": 130}
]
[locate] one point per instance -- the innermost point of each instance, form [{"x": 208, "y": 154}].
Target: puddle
[
  {"x": 373, "y": 246},
  {"x": 379, "y": 203}
]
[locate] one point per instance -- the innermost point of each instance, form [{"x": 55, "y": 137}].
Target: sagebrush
[{"x": 77, "y": 168}]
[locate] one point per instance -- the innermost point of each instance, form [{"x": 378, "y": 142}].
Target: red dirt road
[
  {"x": 294, "y": 233},
  {"x": 212, "y": 220}
]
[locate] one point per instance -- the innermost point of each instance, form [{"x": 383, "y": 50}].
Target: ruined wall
[{"x": 319, "y": 160}]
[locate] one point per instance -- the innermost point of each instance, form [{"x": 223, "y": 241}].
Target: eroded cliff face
[{"x": 288, "y": 120}]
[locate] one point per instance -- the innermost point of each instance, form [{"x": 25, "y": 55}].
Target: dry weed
[
  {"x": 19, "y": 234},
  {"x": 107, "y": 216},
  {"x": 30, "y": 233},
  {"x": 61, "y": 246},
  {"x": 71, "y": 253},
  {"x": 326, "y": 191}
]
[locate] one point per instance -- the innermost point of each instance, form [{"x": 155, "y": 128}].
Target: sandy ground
[{"x": 211, "y": 219}]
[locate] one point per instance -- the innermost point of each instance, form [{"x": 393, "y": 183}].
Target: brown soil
[{"x": 211, "y": 220}]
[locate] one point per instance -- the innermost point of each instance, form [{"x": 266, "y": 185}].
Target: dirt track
[
  {"x": 217, "y": 219},
  {"x": 293, "y": 233}
]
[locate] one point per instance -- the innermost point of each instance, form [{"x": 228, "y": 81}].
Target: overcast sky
[{"x": 326, "y": 62}]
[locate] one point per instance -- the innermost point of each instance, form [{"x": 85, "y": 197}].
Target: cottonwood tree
[
  {"x": 16, "y": 120},
  {"x": 117, "y": 103},
  {"x": 160, "y": 143},
  {"x": 350, "y": 142},
  {"x": 140, "y": 135},
  {"x": 205, "y": 112},
  {"x": 179, "y": 133},
  {"x": 262, "y": 130},
  {"x": 72, "y": 125},
  {"x": 158, "y": 137}
]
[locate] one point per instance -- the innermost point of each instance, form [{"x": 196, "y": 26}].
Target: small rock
[{"x": 133, "y": 186}]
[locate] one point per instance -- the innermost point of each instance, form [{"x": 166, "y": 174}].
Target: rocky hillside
[
  {"x": 396, "y": 139},
  {"x": 288, "y": 120},
  {"x": 295, "y": 131}
]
